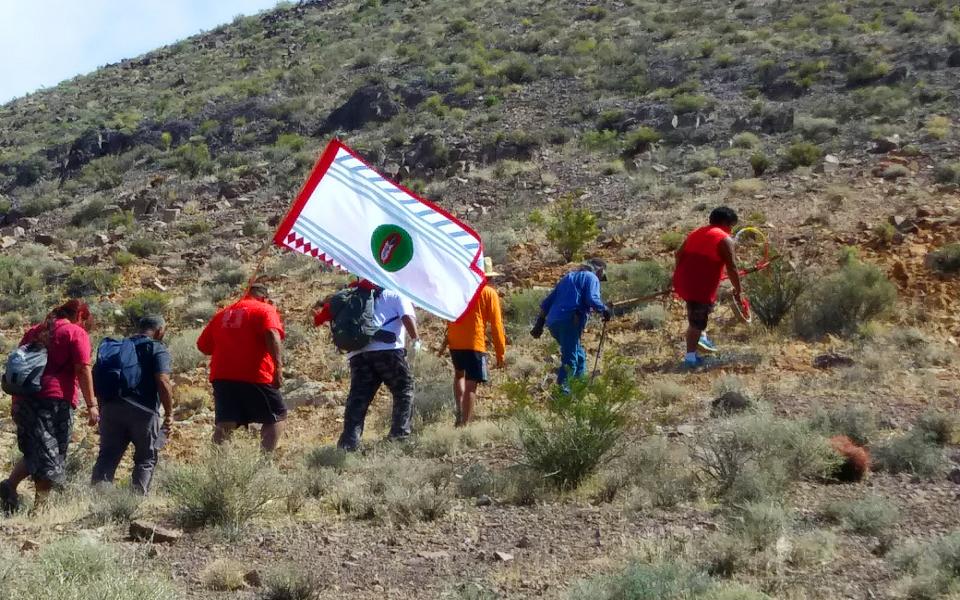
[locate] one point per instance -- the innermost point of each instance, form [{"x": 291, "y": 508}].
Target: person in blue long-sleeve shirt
[{"x": 565, "y": 310}]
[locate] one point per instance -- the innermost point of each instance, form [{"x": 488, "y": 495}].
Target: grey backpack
[{"x": 25, "y": 365}]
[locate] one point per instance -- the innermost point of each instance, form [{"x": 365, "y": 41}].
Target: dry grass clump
[
  {"x": 111, "y": 504},
  {"x": 291, "y": 583},
  {"x": 656, "y": 473},
  {"x": 930, "y": 570},
  {"x": 871, "y": 515},
  {"x": 224, "y": 575},
  {"x": 841, "y": 303},
  {"x": 913, "y": 452}
]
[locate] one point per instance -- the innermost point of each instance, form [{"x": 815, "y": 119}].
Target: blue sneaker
[
  {"x": 705, "y": 344},
  {"x": 693, "y": 363}
]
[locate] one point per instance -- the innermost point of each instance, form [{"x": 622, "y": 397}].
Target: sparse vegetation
[
  {"x": 913, "y": 452},
  {"x": 844, "y": 301},
  {"x": 774, "y": 291},
  {"x": 872, "y": 515},
  {"x": 569, "y": 228}
]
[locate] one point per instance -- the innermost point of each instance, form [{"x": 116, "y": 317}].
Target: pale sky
[{"x": 43, "y": 42}]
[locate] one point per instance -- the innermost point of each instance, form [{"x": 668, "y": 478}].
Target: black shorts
[
  {"x": 473, "y": 363},
  {"x": 698, "y": 313},
  {"x": 243, "y": 403}
]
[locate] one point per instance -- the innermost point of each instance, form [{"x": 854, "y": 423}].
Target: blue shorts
[{"x": 471, "y": 362}]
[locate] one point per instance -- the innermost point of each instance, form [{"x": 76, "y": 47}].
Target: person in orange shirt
[
  {"x": 467, "y": 340},
  {"x": 245, "y": 341}
]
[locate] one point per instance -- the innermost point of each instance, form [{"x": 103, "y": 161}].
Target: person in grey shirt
[{"x": 135, "y": 417}]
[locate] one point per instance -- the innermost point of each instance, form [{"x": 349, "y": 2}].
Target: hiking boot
[
  {"x": 705, "y": 344},
  {"x": 9, "y": 499}
]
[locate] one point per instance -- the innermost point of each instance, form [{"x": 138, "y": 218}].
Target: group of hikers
[{"x": 128, "y": 390}]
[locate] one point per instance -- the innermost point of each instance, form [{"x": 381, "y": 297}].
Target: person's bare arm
[
  {"x": 728, "y": 252},
  {"x": 410, "y": 324},
  {"x": 165, "y": 390},
  {"x": 275, "y": 349},
  {"x": 85, "y": 379}
]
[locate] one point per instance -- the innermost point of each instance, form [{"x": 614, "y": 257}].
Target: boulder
[
  {"x": 370, "y": 103},
  {"x": 28, "y": 223},
  {"x": 777, "y": 120},
  {"x": 144, "y": 531},
  {"x": 953, "y": 61},
  {"x": 310, "y": 393},
  {"x": 729, "y": 403},
  {"x": 44, "y": 239},
  {"x": 7, "y": 242},
  {"x": 170, "y": 215},
  {"x": 831, "y": 360},
  {"x": 18, "y": 232},
  {"x": 882, "y": 145}
]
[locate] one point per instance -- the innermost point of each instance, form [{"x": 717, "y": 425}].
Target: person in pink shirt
[{"x": 44, "y": 421}]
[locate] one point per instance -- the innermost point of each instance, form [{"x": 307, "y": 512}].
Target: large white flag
[{"x": 350, "y": 216}]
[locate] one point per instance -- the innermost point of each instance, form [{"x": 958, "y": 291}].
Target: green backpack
[{"x": 352, "y": 322}]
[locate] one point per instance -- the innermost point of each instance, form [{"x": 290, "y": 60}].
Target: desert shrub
[
  {"x": 871, "y": 515},
  {"x": 756, "y": 456},
  {"x": 672, "y": 240},
  {"x": 747, "y": 186},
  {"x": 226, "y": 271},
  {"x": 640, "y": 581},
  {"x": 605, "y": 139},
  {"x": 634, "y": 279},
  {"x": 945, "y": 260},
  {"x": 497, "y": 245},
  {"x": 394, "y": 489},
  {"x": 291, "y": 583},
  {"x": 224, "y": 575},
  {"x": 714, "y": 172},
  {"x": 433, "y": 402},
  {"x": 640, "y": 140},
  {"x": 26, "y": 279},
  {"x": 913, "y": 453},
  {"x": 143, "y": 247},
  {"x": 88, "y": 212},
  {"x": 113, "y": 504},
  {"x": 476, "y": 481},
  {"x": 856, "y": 422},
  {"x": 123, "y": 259},
  {"x": 183, "y": 350},
  {"x": 937, "y": 126},
  {"x": 760, "y": 524},
  {"x": 147, "y": 302},
  {"x": 200, "y": 311},
  {"x": 578, "y": 430},
  {"x": 253, "y": 228},
  {"x": 723, "y": 554},
  {"x": 773, "y": 292},
  {"x": 940, "y": 427},
  {"x": 232, "y": 485},
  {"x": 866, "y": 70},
  {"x": 331, "y": 457},
  {"x": 842, "y": 302},
  {"x": 816, "y": 129},
  {"x": 688, "y": 103},
  {"x": 39, "y": 204},
  {"x": 880, "y": 101},
  {"x": 103, "y": 173},
  {"x": 759, "y": 163},
  {"x": 518, "y": 70},
  {"x": 812, "y": 548},
  {"x": 800, "y": 154},
  {"x": 651, "y": 316},
  {"x": 191, "y": 159},
  {"x": 746, "y": 140},
  {"x": 947, "y": 173},
  {"x": 657, "y": 472},
  {"x": 89, "y": 281},
  {"x": 78, "y": 569},
  {"x": 521, "y": 309},
  {"x": 568, "y": 227},
  {"x": 700, "y": 159},
  {"x": 931, "y": 570}
]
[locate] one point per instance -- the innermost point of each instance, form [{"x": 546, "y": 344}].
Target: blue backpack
[{"x": 117, "y": 372}]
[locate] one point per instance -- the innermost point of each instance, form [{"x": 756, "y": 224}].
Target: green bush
[
  {"x": 932, "y": 570},
  {"x": 578, "y": 430},
  {"x": 755, "y": 457},
  {"x": 688, "y": 103},
  {"x": 640, "y": 140},
  {"x": 866, "y": 70},
  {"x": 26, "y": 277},
  {"x": 123, "y": 259},
  {"x": 634, "y": 279},
  {"x": 759, "y": 163},
  {"x": 856, "y": 422},
  {"x": 116, "y": 505},
  {"x": 89, "y": 281},
  {"x": 143, "y": 247},
  {"x": 331, "y": 457},
  {"x": 842, "y": 302},
  {"x": 773, "y": 292},
  {"x": 476, "y": 481},
  {"x": 569, "y": 228},
  {"x": 940, "y": 427},
  {"x": 148, "y": 302},
  {"x": 880, "y": 101},
  {"x": 801, "y": 154},
  {"x": 746, "y": 140},
  {"x": 651, "y": 316},
  {"x": 233, "y": 484},
  {"x": 872, "y": 515},
  {"x": 521, "y": 308},
  {"x": 600, "y": 140},
  {"x": 518, "y": 70},
  {"x": 913, "y": 453},
  {"x": 78, "y": 569},
  {"x": 945, "y": 260},
  {"x": 657, "y": 473},
  {"x": 660, "y": 581},
  {"x": 761, "y": 524},
  {"x": 88, "y": 212},
  {"x": 291, "y": 583},
  {"x": 192, "y": 159},
  {"x": 183, "y": 350},
  {"x": 947, "y": 173},
  {"x": 227, "y": 271},
  {"x": 398, "y": 490},
  {"x": 103, "y": 173}
]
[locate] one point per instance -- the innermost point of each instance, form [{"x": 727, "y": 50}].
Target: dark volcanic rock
[
  {"x": 729, "y": 403},
  {"x": 368, "y": 103},
  {"x": 777, "y": 120}
]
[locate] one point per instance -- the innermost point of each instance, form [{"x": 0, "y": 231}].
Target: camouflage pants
[
  {"x": 368, "y": 371},
  {"x": 43, "y": 436}
]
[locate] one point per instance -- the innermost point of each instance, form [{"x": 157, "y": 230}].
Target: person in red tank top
[{"x": 701, "y": 261}]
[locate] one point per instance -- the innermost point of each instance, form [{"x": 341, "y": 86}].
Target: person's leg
[
  {"x": 469, "y": 400},
  {"x": 114, "y": 439},
  {"x": 566, "y": 336},
  {"x": 270, "y": 435},
  {"x": 581, "y": 356},
  {"x": 145, "y": 429},
  {"x": 224, "y": 411},
  {"x": 697, "y": 315},
  {"x": 223, "y": 431},
  {"x": 18, "y": 474},
  {"x": 394, "y": 370},
  {"x": 364, "y": 384},
  {"x": 57, "y": 419},
  {"x": 459, "y": 387}
]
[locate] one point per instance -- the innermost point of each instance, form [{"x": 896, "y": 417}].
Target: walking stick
[{"x": 596, "y": 364}]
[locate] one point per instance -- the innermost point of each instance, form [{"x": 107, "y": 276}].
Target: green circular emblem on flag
[{"x": 392, "y": 247}]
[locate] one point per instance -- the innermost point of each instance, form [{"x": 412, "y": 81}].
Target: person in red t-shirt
[
  {"x": 244, "y": 341},
  {"x": 45, "y": 421},
  {"x": 701, "y": 261}
]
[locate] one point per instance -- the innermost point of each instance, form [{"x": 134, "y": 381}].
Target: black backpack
[{"x": 353, "y": 324}]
